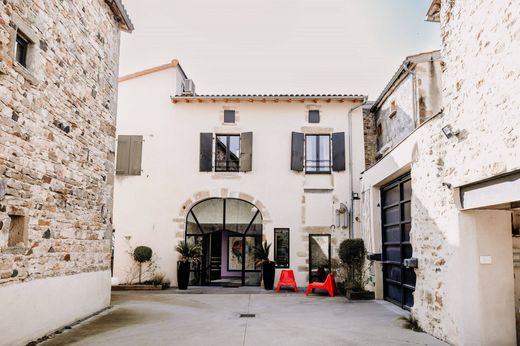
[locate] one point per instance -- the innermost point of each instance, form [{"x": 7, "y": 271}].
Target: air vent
[{"x": 247, "y": 315}]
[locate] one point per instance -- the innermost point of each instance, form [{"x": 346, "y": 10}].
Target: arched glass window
[
  {"x": 219, "y": 214},
  {"x": 227, "y": 230}
]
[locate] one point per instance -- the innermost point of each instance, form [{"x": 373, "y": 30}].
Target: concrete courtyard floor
[{"x": 167, "y": 318}]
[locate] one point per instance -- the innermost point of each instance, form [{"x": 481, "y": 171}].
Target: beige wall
[
  {"x": 151, "y": 208},
  {"x": 34, "y": 308}
]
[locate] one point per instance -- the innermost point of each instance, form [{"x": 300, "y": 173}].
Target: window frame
[
  {"x": 21, "y": 43},
  {"x": 288, "y": 264},
  {"x": 316, "y": 113},
  {"x": 230, "y": 113},
  {"x": 228, "y": 152},
  {"x": 318, "y": 160}
]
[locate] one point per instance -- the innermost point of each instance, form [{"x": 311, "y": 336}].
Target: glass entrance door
[
  {"x": 227, "y": 230},
  {"x": 319, "y": 257}
]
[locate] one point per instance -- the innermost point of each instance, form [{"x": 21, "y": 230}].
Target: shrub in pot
[
  {"x": 261, "y": 253},
  {"x": 142, "y": 254},
  {"x": 352, "y": 253},
  {"x": 189, "y": 253}
]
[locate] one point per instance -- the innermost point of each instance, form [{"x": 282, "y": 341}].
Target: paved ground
[{"x": 166, "y": 318}]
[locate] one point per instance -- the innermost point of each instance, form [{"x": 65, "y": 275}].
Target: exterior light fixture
[
  {"x": 449, "y": 132},
  {"x": 355, "y": 195}
]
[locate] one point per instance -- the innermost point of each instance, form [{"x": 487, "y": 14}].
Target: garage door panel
[
  {"x": 393, "y": 272},
  {"x": 391, "y": 216},
  {"x": 392, "y": 234},
  {"x": 399, "y": 281}
]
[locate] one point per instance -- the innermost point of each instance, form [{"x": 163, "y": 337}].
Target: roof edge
[
  {"x": 265, "y": 98},
  {"x": 121, "y": 14},
  {"x": 409, "y": 62},
  {"x": 434, "y": 12},
  {"x": 174, "y": 63}
]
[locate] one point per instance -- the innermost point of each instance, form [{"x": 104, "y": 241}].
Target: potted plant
[
  {"x": 261, "y": 253},
  {"x": 352, "y": 253},
  {"x": 142, "y": 254},
  {"x": 189, "y": 253}
]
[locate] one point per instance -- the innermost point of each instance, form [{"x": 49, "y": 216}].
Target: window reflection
[{"x": 227, "y": 153}]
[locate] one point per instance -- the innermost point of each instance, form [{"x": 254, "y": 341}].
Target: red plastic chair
[
  {"x": 329, "y": 285},
  {"x": 286, "y": 279}
]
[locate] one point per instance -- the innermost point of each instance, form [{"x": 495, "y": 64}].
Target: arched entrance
[{"x": 227, "y": 229}]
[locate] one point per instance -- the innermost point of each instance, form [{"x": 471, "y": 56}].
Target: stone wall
[
  {"x": 481, "y": 84},
  {"x": 57, "y": 129},
  {"x": 370, "y": 136}
]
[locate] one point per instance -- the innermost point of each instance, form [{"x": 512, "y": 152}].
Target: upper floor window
[
  {"x": 21, "y": 49},
  {"x": 227, "y": 153},
  {"x": 229, "y": 116},
  {"x": 314, "y": 116},
  {"x": 129, "y": 155},
  {"x": 317, "y": 154}
]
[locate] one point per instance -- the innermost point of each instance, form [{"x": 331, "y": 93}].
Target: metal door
[{"x": 399, "y": 281}]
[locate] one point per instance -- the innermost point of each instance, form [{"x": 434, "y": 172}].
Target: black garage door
[{"x": 399, "y": 281}]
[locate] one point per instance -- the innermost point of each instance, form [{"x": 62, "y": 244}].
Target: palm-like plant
[
  {"x": 261, "y": 253},
  {"x": 189, "y": 251}
]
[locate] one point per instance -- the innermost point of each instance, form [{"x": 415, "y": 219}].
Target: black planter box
[{"x": 360, "y": 295}]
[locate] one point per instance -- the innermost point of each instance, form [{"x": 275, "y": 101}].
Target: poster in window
[
  {"x": 235, "y": 253},
  {"x": 281, "y": 248}
]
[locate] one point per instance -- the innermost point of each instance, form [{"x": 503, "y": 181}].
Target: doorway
[
  {"x": 398, "y": 280},
  {"x": 227, "y": 229}
]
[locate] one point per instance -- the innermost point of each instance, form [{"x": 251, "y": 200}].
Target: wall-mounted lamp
[
  {"x": 355, "y": 195},
  {"x": 449, "y": 132}
]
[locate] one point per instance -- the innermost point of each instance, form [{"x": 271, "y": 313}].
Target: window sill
[
  {"x": 226, "y": 175},
  {"x": 26, "y": 74}
]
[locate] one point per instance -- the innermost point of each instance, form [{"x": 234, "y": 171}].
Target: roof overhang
[
  {"x": 434, "y": 12},
  {"x": 174, "y": 63},
  {"x": 121, "y": 15},
  {"x": 499, "y": 192},
  {"x": 268, "y": 98}
]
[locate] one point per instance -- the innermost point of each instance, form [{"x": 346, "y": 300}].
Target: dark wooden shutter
[
  {"x": 297, "y": 147},
  {"x": 123, "y": 155},
  {"x": 246, "y": 152},
  {"x": 136, "y": 150},
  {"x": 338, "y": 151},
  {"x": 229, "y": 116},
  {"x": 206, "y": 152}
]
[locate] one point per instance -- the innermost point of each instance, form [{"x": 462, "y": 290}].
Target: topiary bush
[
  {"x": 352, "y": 253},
  {"x": 142, "y": 254}
]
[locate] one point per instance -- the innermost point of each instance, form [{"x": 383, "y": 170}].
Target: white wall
[
  {"x": 149, "y": 208},
  {"x": 29, "y": 310}
]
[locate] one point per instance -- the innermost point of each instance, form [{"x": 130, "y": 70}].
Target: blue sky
[{"x": 279, "y": 46}]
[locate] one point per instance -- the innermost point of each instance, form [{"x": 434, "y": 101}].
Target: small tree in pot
[
  {"x": 189, "y": 252},
  {"x": 142, "y": 254},
  {"x": 261, "y": 253},
  {"x": 352, "y": 253}
]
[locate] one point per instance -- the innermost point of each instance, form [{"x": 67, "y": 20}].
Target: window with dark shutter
[
  {"x": 227, "y": 153},
  {"x": 297, "y": 148},
  {"x": 246, "y": 152},
  {"x": 229, "y": 116},
  {"x": 338, "y": 151},
  {"x": 206, "y": 152},
  {"x": 281, "y": 247},
  {"x": 129, "y": 155},
  {"x": 314, "y": 116},
  {"x": 317, "y": 154}
]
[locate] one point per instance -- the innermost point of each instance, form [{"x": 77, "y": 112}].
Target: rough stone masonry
[{"x": 57, "y": 130}]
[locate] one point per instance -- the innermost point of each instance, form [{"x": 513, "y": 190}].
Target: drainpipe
[
  {"x": 350, "y": 169},
  {"x": 414, "y": 94}
]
